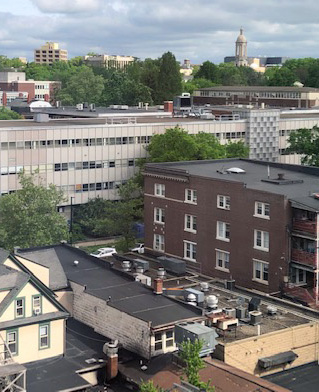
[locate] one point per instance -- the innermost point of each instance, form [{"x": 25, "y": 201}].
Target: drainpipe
[{"x": 317, "y": 259}]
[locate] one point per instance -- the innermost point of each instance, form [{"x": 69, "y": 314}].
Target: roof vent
[
  {"x": 236, "y": 170},
  {"x": 75, "y": 263},
  {"x": 281, "y": 176}
]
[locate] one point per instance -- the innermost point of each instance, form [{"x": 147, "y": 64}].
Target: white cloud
[
  {"x": 67, "y": 6},
  {"x": 199, "y": 30}
]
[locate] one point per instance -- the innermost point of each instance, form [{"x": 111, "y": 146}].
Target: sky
[{"x": 198, "y": 30}]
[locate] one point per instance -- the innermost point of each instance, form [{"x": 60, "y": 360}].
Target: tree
[
  {"x": 169, "y": 78},
  {"x": 29, "y": 217},
  {"x": 190, "y": 354},
  {"x": 7, "y": 114},
  {"x": 6, "y": 63},
  {"x": 149, "y": 387},
  {"x": 208, "y": 71},
  {"x": 174, "y": 145},
  {"x": 237, "y": 150},
  {"x": 305, "y": 142},
  {"x": 83, "y": 86}
]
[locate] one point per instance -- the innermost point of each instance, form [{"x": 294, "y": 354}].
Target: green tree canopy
[
  {"x": 305, "y": 142},
  {"x": 177, "y": 145},
  {"x": 6, "y": 63},
  {"x": 83, "y": 86},
  {"x": 29, "y": 217},
  {"x": 169, "y": 78},
  {"x": 190, "y": 354},
  {"x": 7, "y": 114}
]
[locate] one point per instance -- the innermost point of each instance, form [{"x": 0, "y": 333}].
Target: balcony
[
  {"x": 305, "y": 226},
  {"x": 303, "y": 257}
]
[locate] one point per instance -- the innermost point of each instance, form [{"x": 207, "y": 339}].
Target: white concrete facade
[{"x": 87, "y": 160}]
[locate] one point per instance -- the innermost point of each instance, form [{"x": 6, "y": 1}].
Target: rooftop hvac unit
[
  {"x": 241, "y": 312},
  {"x": 143, "y": 279},
  {"x": 212, "y": 301},
  {"x": 255, "y": 317},
  {"x": 199, "y": 295},
  {"x": 195, "y": 331},
  {"x": 230, "y": 312},
  {"x": 142, "y": 263},
  {"x": 171, "y": 264},
  {"x": 254, "y": 304}
]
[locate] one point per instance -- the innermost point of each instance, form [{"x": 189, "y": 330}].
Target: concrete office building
[
  {"x": 270, "y": 96},
  {"x": 49, "y": 53},
  {"x": 90, "y": 157}
]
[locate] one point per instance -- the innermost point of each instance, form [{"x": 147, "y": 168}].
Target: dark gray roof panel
[{"x": 117, "y": 288}]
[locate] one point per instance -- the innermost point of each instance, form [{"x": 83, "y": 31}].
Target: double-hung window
[
  {"x": 222, "y": 260},
  {"x": 19, "y": 307},
  {"x": 158, "y": 341},
  {"x": 159, "y": 215},
  {"x": 260, "y": 271},
  {"x": 159, "y": 243},
  {"x": 262, "y": 210},
  {"x": 44, "y": 336},
  {"x": 36, "y": 305},
  {"x": 191, "y": 196},
  {"x": 12, "y": 341},
  {"x": 159, "y": 190},
  {"x": 190, "y": 250},
  {"x": 223, "y": 231},
  {"x": 223, "y": 202},
  {"x": 190, "y": 223},
  {"x": 261, "y": 240}
]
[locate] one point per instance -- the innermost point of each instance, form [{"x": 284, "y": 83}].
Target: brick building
[
  {"x": 245, "y": 220},
  {"x": 296, "y": 97}
]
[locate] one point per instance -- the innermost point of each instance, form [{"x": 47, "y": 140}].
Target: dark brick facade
[{"x": 240, "y": 217}]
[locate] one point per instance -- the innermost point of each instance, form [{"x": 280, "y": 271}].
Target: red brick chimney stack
[
  {"x": 158, "y": 286},
  {"x": 112, "y": 360}
]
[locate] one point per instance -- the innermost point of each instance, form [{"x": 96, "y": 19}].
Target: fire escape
[
  {"x": 304, "y": 260},
  {"x": 12, "y": 375}
]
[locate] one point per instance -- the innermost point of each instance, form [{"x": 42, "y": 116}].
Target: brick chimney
[
  {"x": 4, "y": 99},
  {"x": 111, "y": 350},
  {"x": 158, "y": 286},
  {"x": 168, "y": 106},
  {"x": 46, "y": 97}
]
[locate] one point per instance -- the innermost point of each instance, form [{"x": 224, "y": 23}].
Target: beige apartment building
[
  {"x": 109, "y": 61},
  {"x": 49, "y": 53}
]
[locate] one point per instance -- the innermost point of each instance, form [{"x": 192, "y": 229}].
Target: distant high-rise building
[
  {"x": 241, "y": 49},
  {"x": 49, "y": 53}
]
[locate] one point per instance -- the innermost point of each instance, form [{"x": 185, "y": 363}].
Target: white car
[
  {"x": 139, "y": 248},
  {"x": 103, "y": 252}
]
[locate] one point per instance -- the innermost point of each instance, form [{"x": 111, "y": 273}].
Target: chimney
[
  {"x": 46, "y": 97},
  {"x": 168, "y": 106},
  {"x": 111, "y": 350},
  {"x": 158, "y": 286},
  {"x": 281, "y": 176},
  {"x": 4, "y": 99}
]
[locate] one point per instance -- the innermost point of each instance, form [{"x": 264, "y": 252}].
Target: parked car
[
  {"x": 104, "y": 252},
  {"x": 139, "y": 248}
]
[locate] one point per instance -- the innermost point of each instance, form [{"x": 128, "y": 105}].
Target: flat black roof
[
  {"x": 298, "y": 379},
  {"x": 117, "y": 288},
  {"x": 305, "y": 178}
]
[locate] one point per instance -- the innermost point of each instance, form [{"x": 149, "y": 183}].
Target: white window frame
[
  {"x": 159, "y": 190},
  {"x": 19, "y": 307},
  {"x": 261, "y": 210},
  {"x": 218, "y": 253},
  {"x": 299, "y": 282},
  {"x": 190, "y": 196},
  {"x": 44, "y": 336},
  {"x": 159, "y": 215},
  {"x": 190, "y": 223},
  {"x": 223, "y": 202},
  {"x": 159, "y": 242},
  {"x": 12, "y": 342},
  {"x": 222, "y": 236},
  {"x": 189, "y": 250},
  {"x": 158, "y": 341},
  {"x": 264, "y": 240},
  {"x": 262, "y": 264}
]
